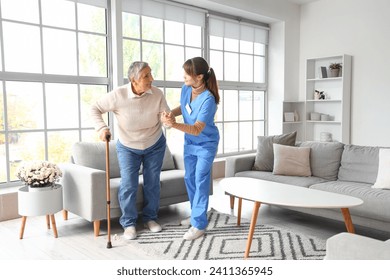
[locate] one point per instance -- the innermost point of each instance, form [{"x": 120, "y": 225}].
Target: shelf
[
  {"x": 324, "y": 79},
  {"x": 298, "y": 108},
  {"x": 337, "y": 90},
  {"x": 292, "y": 122},
  {"x": 323, "y": 100},
  {"x": 324, "y": 122}
]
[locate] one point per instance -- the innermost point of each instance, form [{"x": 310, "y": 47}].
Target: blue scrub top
[{"x": 203, "y": 109}]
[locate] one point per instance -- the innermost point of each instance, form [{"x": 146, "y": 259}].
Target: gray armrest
[
  {"x": 84, "y": 191},
  {"x": 347, "y": 246},
  {"x": 236, "y": 164}
]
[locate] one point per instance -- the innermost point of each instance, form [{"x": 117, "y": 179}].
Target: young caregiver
[{"x": 198, "y": 105}]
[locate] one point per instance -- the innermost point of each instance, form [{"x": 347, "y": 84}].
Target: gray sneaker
[
  {"x": 186, "y": 222},
  {"x": 153, "y": 226},
  {"x": 193, "y": 233},
  {"x": 130, "y": 233}
]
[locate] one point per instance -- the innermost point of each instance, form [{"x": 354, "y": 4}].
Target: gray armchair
[
  {"x": 84, "y": 183},
  {"x": 348, "y": 246}
]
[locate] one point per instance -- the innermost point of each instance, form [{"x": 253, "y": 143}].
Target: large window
[
  {"x": 56, "y": 60},
  {"x": 53, "y": 66},
  {"x": 164, "y": 36},
  {"x": 238, "y": 55}
]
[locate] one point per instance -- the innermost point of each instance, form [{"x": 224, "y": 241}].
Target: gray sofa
[
  {"x": 335, "y": 167},
  {"x": 84, "y": 184},
  {"x": 347, "y": 246}
]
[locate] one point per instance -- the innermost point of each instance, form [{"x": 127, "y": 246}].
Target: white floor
[{"x": 76, "y": 241}]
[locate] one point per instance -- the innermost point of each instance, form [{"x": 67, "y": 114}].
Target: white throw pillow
[
  {"x": 383, "y": 177},
  {"x": 291, "y": 161}
]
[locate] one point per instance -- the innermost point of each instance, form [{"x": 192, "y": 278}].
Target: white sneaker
[
  {"x": 153, "y": 226},
  {"x": 193, "y": 233},
  {"x": 186, "y": 222},
  {"x": 130, "y": 233}
]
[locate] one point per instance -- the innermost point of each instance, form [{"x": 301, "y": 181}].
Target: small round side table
[{"x": 39, "y": 203}]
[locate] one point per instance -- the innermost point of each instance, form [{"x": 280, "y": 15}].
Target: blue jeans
[{"x": 129, "y": 163}]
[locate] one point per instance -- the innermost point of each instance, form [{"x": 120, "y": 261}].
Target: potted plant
[
  {"x": 335, "y": 69},
  {"x": 41, "y": 195},
  {"x": 38, "y": 174}
]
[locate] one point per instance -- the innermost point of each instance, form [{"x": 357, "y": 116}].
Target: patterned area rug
[{"x": 225, "y": 240}]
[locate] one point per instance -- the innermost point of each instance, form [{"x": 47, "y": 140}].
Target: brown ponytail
[{"x": 197, "y": 66}]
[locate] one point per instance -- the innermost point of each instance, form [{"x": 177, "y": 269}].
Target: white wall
[
  {"x": 360, "y": 28},
  {"x": 276, "y": 78}
]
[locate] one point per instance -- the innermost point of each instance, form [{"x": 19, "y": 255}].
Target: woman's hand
[
  {"x": 105, "y": 135},
  {"x": 168, "y": 119}
]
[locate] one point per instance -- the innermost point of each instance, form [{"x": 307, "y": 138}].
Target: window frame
[
  {"x": 114, "y": 71},
  {"x": 46, "y": 78},
  {"x": 241, "y": 86}
]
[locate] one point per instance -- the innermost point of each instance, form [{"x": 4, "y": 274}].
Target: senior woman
[{"x": 137, "y": 107}]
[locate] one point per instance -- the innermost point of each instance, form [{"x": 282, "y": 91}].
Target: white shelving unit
[
  {"x": 336, "y": 105},
  {"x": 298, "y": 108}
]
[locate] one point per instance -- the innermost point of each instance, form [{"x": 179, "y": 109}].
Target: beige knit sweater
[{"x": 138, "y": 117}]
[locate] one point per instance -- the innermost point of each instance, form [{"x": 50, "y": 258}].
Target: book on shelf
[{"x": 324, "y": 73}]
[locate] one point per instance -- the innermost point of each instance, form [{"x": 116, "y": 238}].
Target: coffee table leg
[
  {"x": 231, "y": 202},
  {"x": 348, "y": 220},
  {"x": 24, "y": 218},
  {"x": 252, "y": 228},
  {"x": 53, "y": 223},
  {"x": 48, "y": 221},
  {"x": 239, "y": 211}
]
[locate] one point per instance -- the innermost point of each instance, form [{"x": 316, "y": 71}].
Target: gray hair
[{"x": 135, "y": 68}]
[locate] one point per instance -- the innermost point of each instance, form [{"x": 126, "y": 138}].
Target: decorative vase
[
  {"x": 38, "y": 203},
  {"x": 296, "y": 116},
  {"x": 334, "y": 72},
  {"x": 325, "y": 137},
  {"x": 43, "y": 188}
]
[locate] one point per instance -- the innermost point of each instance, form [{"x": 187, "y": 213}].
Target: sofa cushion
[
  {"x": 376, "y": 201},
  {"x": 93, "y": 155},
  {"x": 291, "y": 161},
  {"x": 359, "y": 164},
  {"x": 291, "y": 180},
  {"x": 264, "y": 160},
  {"x": 383, "y": 177},
  {"x": 168, "y": 163},
  {"x": 114, "y": 188},
  {"x": 325, "y": 158},
  {"x": 172, "y": 183}
]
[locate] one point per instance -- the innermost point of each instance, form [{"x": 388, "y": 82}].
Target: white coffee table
[{"x": 272, "y": 193}]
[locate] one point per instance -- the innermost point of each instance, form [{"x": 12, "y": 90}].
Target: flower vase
[
  {"x": 37, "y": 203},
  {"x": 46, "y": 187}
]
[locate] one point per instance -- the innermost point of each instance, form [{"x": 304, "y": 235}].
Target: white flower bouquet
[{"x": 37, "y": 174}]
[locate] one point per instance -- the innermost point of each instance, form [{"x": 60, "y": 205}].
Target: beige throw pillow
[
  {"x": 383, "y": 177},
  {"x": 291, "y": 161}
]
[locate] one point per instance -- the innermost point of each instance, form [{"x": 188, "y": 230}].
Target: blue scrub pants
[
  {"x": 129, "y": 162},
  {"x": 198, "y": 178}
]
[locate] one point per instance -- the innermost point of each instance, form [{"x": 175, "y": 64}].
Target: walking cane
[{"x": 109, "y": 245}]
